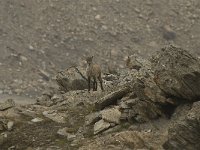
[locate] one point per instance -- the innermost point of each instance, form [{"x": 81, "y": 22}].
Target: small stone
[
  {"x": 37, "y": 120},
  {"x": 63, "y": 132},
  {"x": 10, "y": 125},
  {"x": 31, "y": 47},
  {"x": 1, "y": 92},
  {"x": 23, "y": 58},
  {"x": 100, "y": 126},
  {"x": 104, "y": 27},
  {"x": 97, "y": 17},
  {"x": 71, "y": 137},
  {"x": 12, "y": 148}
]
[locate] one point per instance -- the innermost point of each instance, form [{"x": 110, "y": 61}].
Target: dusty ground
[{"x": 38, "y": 38}]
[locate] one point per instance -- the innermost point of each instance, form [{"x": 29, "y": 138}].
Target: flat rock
[
  {"x": 53, "y": 115},
  {"x": 100, "y": 126},
  {"x": 111, "y": 115}
]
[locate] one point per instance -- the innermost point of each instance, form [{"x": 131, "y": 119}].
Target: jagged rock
[
  {"x": 177, "y": 73},
  {"x": 7, "y": 104},
  {"x": 53, "y": 115},
  {"x": 111, "y": 98},
  {"x": 72, "y": 79},
  {"x": 185, "y": 134},
  {"x": 140, "y": 111},
  {"x": 100, "y": 126},
  {"x": 111, "y": 115},
  {"x": 92, "y": 118}
]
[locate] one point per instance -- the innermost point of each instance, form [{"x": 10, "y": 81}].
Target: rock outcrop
[
  {"x": 72, "y": 79},
  {"x": 177, "y": 73}
]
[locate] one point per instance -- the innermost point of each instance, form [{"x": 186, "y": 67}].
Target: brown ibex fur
[{"x": 93, "y": 71}]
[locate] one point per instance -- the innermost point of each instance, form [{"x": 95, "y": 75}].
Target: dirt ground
[{"x": 39, "y": 38}]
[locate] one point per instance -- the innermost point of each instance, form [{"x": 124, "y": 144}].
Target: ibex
[{"x": 93, "y": 71}]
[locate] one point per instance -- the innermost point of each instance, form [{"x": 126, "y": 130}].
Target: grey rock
[
  {"x": 63, "y": 132},
  {"x": 111, "y": 115},
  {"x": 10, "y": 125},
  {"x": 37, "y": 120},
  {"x": 53, "y": 115},
  {"x": 92, "y": 118},
  {"x": 72, "y": 79},
  {"x": 101, "y": 126},
  {"x": 111, "y": 98},
  {"x": 177, "y": 73}
]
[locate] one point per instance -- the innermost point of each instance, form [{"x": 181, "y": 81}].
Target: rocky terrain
[
  {"x": 150, "y": 101},
  {"x": 154, "y": 107}
]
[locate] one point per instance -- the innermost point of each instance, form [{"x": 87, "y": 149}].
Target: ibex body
[{"x": 93, "y": 71}]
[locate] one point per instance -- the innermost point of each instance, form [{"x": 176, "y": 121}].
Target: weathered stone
[
  {"x": 7, "y": 104},
  {"x": 92, "y": 118},
  {"x": 111, "y": 115},
  {"x": 185, "y": 134},
  {"x": 53, "y": 115},
  {"x": 111, "y": 98},
  {"x": 10, "y": 125},
  {"x": 64, "y": 132},
  {"x": 72, "y": 79},
  {"x": 100, "y": 126},
  {"x": 177, "y": 73},
  {"x": 37, "y": 119},
  {"x": 141, "y": 111}
]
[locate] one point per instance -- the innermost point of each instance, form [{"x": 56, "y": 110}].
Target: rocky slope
[
  {"x": 137, "y": 110},
  {"x": 38, "y": 38}
]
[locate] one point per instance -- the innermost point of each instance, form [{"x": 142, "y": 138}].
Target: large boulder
[
  {"x": 72, "y": 79},
  {"x": 177, "y": 73}
]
